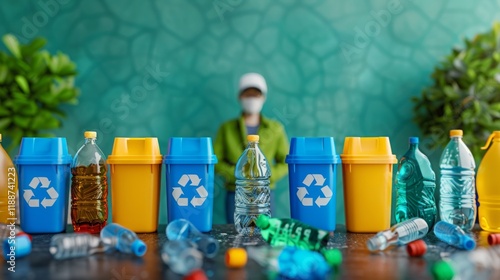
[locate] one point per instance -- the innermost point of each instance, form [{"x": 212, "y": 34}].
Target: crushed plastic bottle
[
  {"x": 123, "y": 239},
  {"x": 400, "y": 234},
  {"x": 252, "y": 194},
  {"x": 183, "y": 229},
  {"x": 74, "y": 245},
  {"x": 454, "y": 236},
  {"x": 181, "y": 256},
  {"x": 415, "y": 183}
]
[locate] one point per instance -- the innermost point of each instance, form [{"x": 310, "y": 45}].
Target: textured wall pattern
[{"x": 170, "y": 68}]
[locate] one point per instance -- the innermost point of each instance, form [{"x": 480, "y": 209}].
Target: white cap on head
[{"x": 253, "y": 80}]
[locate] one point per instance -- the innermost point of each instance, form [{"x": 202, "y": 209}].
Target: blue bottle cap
[
  {"x": 21, "y": 246},
  {"x": 467, "y": 242},
  {"x": 413, "y": 140},
  {"x": 139, "y": 248}
]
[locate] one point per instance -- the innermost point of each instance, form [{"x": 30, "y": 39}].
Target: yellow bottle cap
[
  {"x": 253, "y": 138},
  {"x": 456, "y": 132},
  {"x": 236, "y": 257},
  {"x": 90, "y": 134}
]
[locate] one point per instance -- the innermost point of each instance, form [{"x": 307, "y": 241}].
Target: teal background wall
[{"x": 170, "y": 68}]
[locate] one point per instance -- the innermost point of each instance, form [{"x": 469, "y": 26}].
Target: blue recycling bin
[
  {"x": 312, "y": 172},
  {"x": 190, "y": 180},
  {"x": 43, "y": 166}
]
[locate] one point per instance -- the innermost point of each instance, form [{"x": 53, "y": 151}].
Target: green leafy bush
[
  {"x": 465, "y": 94},
  {"x": 33, "y": 86}
]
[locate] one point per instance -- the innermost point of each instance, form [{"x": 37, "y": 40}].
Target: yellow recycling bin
[
  {"x": 135, "y": 165},
  {"x": 367, "y": 164}
]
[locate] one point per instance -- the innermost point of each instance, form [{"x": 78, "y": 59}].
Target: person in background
[{"x": 230, "y": 141}]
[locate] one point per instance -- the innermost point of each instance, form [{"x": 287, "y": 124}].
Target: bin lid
[
  {"x": 190, "y": 150},
  {"x": 135, "y": 151},
  {"x": 312, "y": 150},
  {"x": 37, "y": 150},
  {"x": 367, "y": 150}
]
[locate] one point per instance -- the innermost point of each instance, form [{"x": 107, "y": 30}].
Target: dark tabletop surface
[{"x": 358, "y": 262}]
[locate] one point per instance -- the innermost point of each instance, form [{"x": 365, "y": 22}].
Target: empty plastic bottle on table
[
  {"x": 290, "y": 232},
  {"x": 123, "y": 239},
  {"x": 415, "y": 184},
  {"x": 481, "y": 263},
  {"x": 8, "y": 187},
  {"x": 453, "y": 235},
  {"x": 252, "y": 197},
  {"x": 487, "y": 185},
  {"x": 457, "y": 189},
  {"x": 13, "y": 236},
  {"x": 291, "y": 262},
  {"x": 183, "y": 229},
  {"x": 399, "y": 234},
  {"x": 89, "y": 187},
  {"x": 74, "y": 245},
  {"x": 181, "y": 256}
]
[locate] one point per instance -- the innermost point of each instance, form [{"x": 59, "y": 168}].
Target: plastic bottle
[
  {"x": 477, "y": 264},
  {"x": 487, "y": 185},
  {"x": 457, "y": 190},
  {"x": 184, "y": 229},
  {"x": 453, "y": 235},
  {"x": 252, "y": 197},
  {"x": 74, "y": 245},
  {"x": 8, "y": 188},
  {"x": 399, "y": 234},
  {"x": 290, "y": 262},
  {"x": 181, "y": 256},
  {"x": 123, "y": 239},
  {"x": 415, "y": 183},
  {"x": 89, "y": 187},
  {"x": 12, "y": 236},
  {"x": 290, "y": 232}
]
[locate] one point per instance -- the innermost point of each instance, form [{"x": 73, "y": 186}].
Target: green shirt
[{"x": 231, "y": 141}]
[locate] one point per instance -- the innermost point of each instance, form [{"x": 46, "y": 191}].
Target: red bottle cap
[
  {"x": 198, "y": 274},
  {"x": 494, "y": 239},
  {"x": 416, "y": 248}
]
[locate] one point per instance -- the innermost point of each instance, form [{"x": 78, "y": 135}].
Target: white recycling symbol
[
  {"x": 195, "y": 182},
  {"x": 318, "y": 180},
  {"x": 44, "y": 183}
]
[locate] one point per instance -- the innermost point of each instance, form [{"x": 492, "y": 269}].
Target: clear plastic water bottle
[
  {"x": 89, "y": 187},
  {"x": 457, "y": 190},
  {"x": 400, "y": 234},
  {"x": 291, "y": 262},
  {"x": 253, "y": 195},
  {"x": 13, "y": 237},
  {"x": 415, "y": 184},
  {"x": 74, "y": 245},
  {"x": 181, "y": 256},
  {"x": 123, "y": 239},
  {"x": 453, "y": 235},
  {"x": 481, "y": 263},
  {"x": 182, "y": 229}
]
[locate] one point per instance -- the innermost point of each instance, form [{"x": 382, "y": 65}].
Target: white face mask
[{"x": 252, "y": 105}]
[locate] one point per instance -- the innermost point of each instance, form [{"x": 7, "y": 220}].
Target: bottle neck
[
  {"x": 90, "y": 141},
  {"x": 253, "y": 144},
  {"x": 414, "y": 146}
]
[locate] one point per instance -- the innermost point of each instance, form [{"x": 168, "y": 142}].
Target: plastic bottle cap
[
  {"x": 198, "y": 274},
  {"x": 494, "y": 239},
  {"x": 139, "y": 248},
  {"x": 443, "y": 271},
  {"x": 416, "y": 248},
  {"x": 456, "y": 132},
  {"x": 253, "y": 138},
  {"x": 90, "y": 134},
  {"x": 468, "y": 243},
  {"x": 333, "y": 257},
  {"x": 236, "y": 257},
  {"x": 413, "y": 140},
  {"x": 22, "y": 247},
  {"x": 263, "y": 221}
]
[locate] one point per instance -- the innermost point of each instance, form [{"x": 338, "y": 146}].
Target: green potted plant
[
  {"x": 33, "y": 86},
  {"x": 465, "y": 94}
]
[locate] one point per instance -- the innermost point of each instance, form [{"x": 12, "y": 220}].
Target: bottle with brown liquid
[
  {"x": 8, "y": 188},
  {"x": 89, "y": 187}
]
